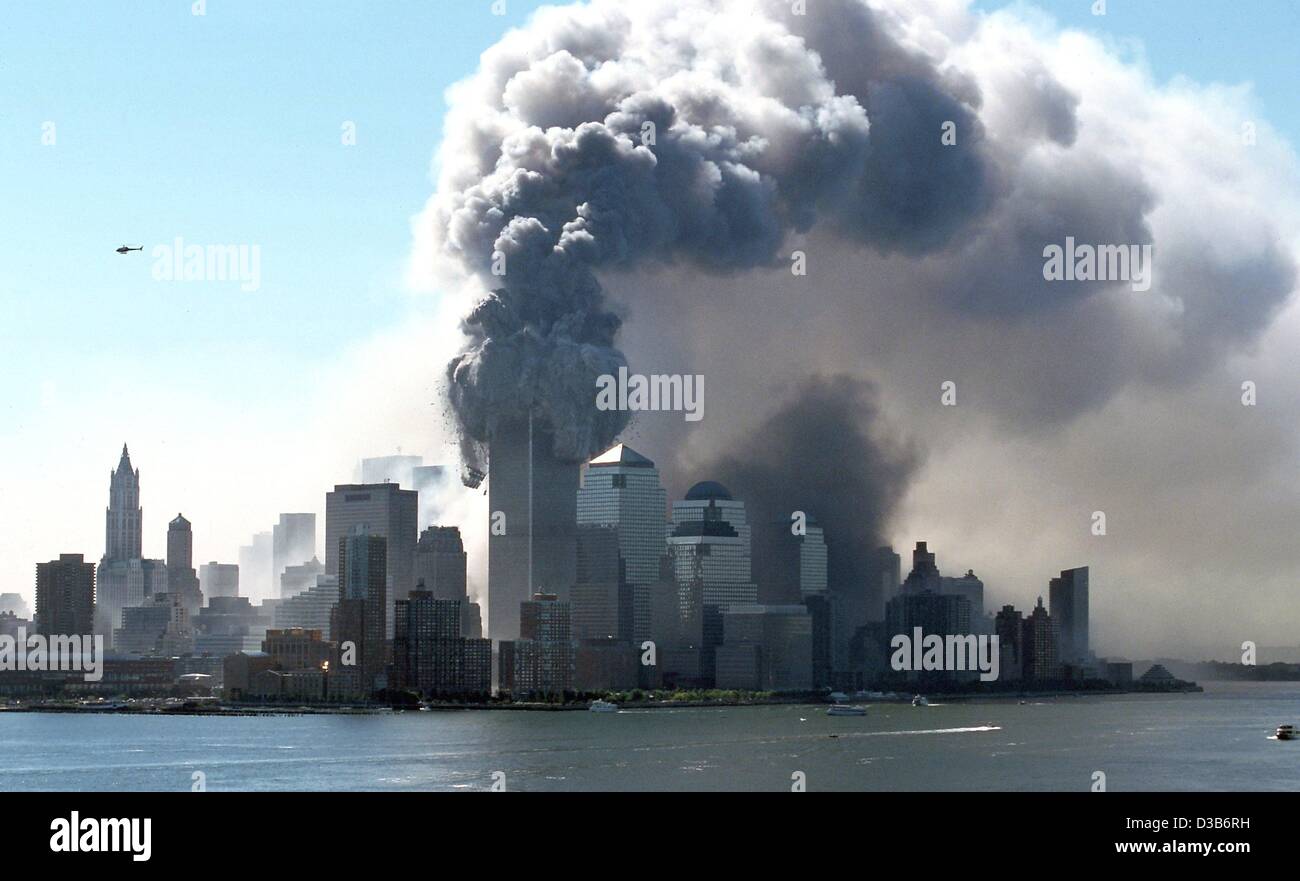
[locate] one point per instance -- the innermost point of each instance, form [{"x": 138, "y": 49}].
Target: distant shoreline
[{"x": 207, "y": 707}]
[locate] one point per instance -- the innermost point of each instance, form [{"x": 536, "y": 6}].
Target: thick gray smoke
[
  {"x": 817, "y": 454},
  {"x": 605, "y": 138},
  {"x": 680, "y": 152}
]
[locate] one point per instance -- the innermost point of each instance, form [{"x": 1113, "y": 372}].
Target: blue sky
[{"x": 225, "y": 128}]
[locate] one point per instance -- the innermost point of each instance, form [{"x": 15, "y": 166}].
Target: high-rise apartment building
[
  {"x": 431, "y": 654},
  {"x": 65, "y": 596},
  {"x": 542, "y": 662}
]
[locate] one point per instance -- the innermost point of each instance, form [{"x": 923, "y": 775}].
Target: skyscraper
[
  {"x": 532, "y": 501},
  {"x": 65, "y": 596},
  {"x": 440, "y": 562},
  {"x": 384, "y": 509},
  {"x": 182, "y": 580},
  {"x": 440, "y": 566},
  {"x": 887, "y": 565},
  {"x": 219, "y": 579},
  {"x": 710, "y": 552},
  {"x": 791, "y": 566},
  {"x": 431, "y": 654},
  {"x": 1068, "y": 597},
  {"x": 543, "y": 660},
  {"x": 601, "y": 600},
  {"x": 124, "y": 517},
  {"x": 1040, "y": 646},
  {"x": 124, "y": 578},
  {"x": 255, "y": 564},
  {"x": 293, "y": 542},
  {"x": 360, "y": 614},
  {"x": 621, "y": 489}
]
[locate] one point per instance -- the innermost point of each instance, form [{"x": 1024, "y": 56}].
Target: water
[{"x": 1213, "y": 741}]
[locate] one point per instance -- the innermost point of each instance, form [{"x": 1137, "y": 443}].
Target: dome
[{"x": 706, "y": 490}]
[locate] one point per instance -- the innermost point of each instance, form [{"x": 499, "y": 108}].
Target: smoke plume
[
  {"x": 606, "y": 138},
  {"x": 644, "y": 174}
]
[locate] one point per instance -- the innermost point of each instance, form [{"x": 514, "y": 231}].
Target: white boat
[
  {"x": 1287, "y": 732},
  {"x": 600, "y": 706},
  {"x": 920, "y": 701},
  {"x": 845, "y": 710}
]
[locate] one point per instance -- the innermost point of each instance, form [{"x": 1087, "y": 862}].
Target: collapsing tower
[{"x": 532, "y": 500}]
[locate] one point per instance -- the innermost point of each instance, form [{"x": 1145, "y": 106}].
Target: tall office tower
[
  {"x": 767, "y": 648},
  {"x": 1068, "y": 596},
  {"x": 887, "y": 566},
  {"x": 311, "y": 609},
  {"x": 440, "y": 562},
  {"x": 182, "y": 580},
  {"x": 621, "y": 489},
  {"x": 363, "y": 599},
  {"x": 430, "y": 481},
  {"x": 934, "y": 613},
  {"x": 255, "y": 564},
  {"x": 924, "y": 574},
  {"x": 1040, "y": 646},
  {"x": 440, "y": 567},
  {"x": 296, "y": 579},
  {"x": 411, "y": 472},
  {"x": 124, "y": 517},
  {"x": 970, "y": 587},
  {"x": 293, "y": 542},
  {"x": 219, "y": 579},
  {"x": 709, "y": 500},
  {"x": 1009, "y": 625},
  {"x": 791, "y": 567},
  {"x": 532, "y": 501},
  {"x": 390, "y": 469},
  {"x": 65, "y": 596},
  {"x": 710, "y": 545},
  {"x": 384, "y": 509},
  {"x": 710, "y": 552},
  {"x": 601, "y": 599},
  {"x": 123, "y": 584},
  {"x": 124, "y": 578}
]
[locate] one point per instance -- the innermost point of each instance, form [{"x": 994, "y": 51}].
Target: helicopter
[{"x": 125, "y": 248}]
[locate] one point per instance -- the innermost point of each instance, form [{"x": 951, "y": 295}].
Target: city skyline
[
  {"x": 684, "y": 525},
  {"x": 1102, "y": 434}
]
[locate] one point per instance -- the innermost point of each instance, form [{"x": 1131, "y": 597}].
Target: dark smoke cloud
[
  {"x": 612, "y": 151},
  {"x": 822, "y": 452},
  {"x": 821, "y": 132}
]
